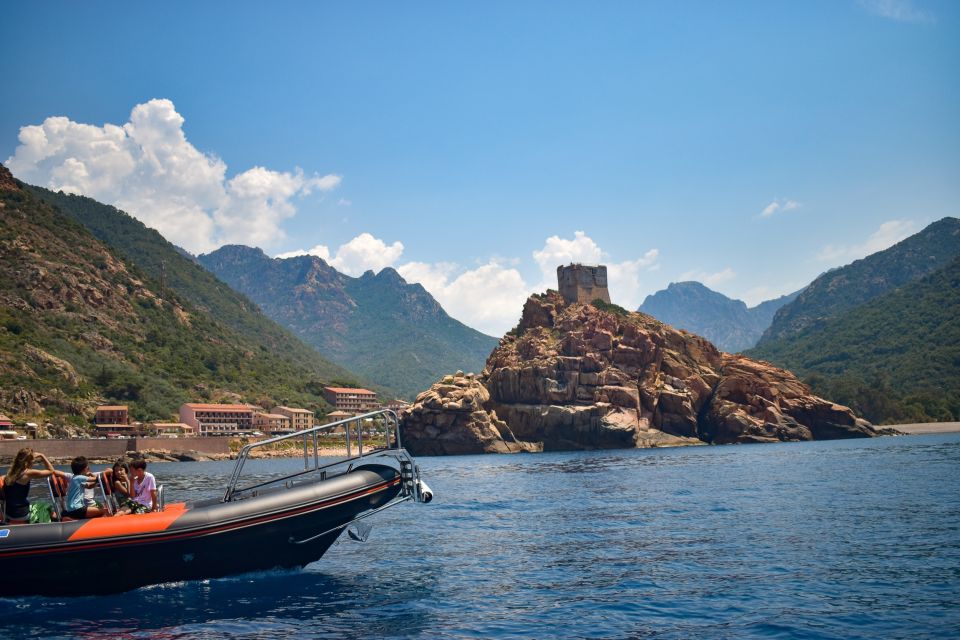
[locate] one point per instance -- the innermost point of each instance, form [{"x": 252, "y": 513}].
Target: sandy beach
[{"x": 926, "y": 427}]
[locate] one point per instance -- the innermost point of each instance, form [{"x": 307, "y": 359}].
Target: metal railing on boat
[{"x": 385, "y": 419}]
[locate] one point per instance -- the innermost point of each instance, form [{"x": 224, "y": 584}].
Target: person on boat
[
  {"x": 144, "y": 484},
  {"x": 76, "y": 507},
  {"x": 123, "y": 490},
  {"x": 16, "y": 484}
]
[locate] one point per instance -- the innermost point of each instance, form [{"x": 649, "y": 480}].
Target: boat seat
[{"x": 58, "y": 495}]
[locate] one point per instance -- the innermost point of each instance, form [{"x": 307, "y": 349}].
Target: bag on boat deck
[{"x": 40, "y": 512}]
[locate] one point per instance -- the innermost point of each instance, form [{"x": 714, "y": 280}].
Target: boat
[{"x": 281, "y": 522}]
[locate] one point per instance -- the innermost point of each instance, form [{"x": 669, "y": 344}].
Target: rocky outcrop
[
  {"x": 573, "y": 376},
  {"x": 451, "y": 418}
]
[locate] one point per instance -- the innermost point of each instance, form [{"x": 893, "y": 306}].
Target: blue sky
[{"x": 750, "y": 145}]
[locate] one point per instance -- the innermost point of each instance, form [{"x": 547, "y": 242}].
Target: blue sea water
[{"x": 842, "y": 539}]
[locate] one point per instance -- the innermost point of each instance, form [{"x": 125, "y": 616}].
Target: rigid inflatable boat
[{"x": 287, "y": 521}]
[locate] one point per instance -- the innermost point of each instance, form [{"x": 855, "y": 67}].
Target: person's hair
[
  {"x": 139, "y": 463},
  {"x": 78, "y": 464},
  {"x": 21, "y": 463}
]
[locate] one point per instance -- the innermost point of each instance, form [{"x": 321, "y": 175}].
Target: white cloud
[
  {"x": 321, "y": 251},
  {"x": 623, "y": 278},
  {"x": 899, "y": 10},
  {"x": 889, "y": 233},
  {"x": 777, "y": 205},
  {"x": 343, "y": 202},
  {"x": 363, "y": 253},
  {"x": 711, "y": 280},
  {"x": 148, "y": 168},
  {"x": 489, "y": 298}
]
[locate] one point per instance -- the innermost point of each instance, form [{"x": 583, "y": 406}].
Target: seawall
[{"x": 112, "y": 448}]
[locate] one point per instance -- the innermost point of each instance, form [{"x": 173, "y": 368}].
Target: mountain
[
  {"x": 847, "y": 287},
  {"x": 82, "y": 324},
  {"x": 894, "y": 359},
  {"x": 725, "y": 322},
  {"x": 576, "y": 376},
  {"x": 378, "y": 325}
]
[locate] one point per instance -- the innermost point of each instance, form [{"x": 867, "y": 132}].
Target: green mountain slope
[
  {"x": 725, "y": 322},
  {"x": 847, "y": 287},
  {"x": 176, "y": 270},
  {"x": 380, "y": 326},
  {"x": 893, "y": 359},
  {"x": 81, "y": 325}
]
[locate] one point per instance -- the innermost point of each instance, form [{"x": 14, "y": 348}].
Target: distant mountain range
[
  {"x": 727, "y": 323},
  {"x": 881, "y": 334},
  {"x": 95, "y": 307},
  {"x": 378, "y": 325}
]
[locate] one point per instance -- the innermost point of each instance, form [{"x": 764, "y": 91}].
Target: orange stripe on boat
[{"x": 128, "y": 525}]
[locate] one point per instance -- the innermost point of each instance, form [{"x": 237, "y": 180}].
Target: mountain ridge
[
  {"x": 726, "y": 322},
  {"x": 391, "y": 331},
  {"x": 849, "y": 286}
]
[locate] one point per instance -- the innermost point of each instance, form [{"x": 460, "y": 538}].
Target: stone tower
[{"x": 583, "y": 283}]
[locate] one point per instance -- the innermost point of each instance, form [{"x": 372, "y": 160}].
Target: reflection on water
[{"x": 852, "y": 539}]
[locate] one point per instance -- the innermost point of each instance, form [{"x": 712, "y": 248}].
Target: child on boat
[
  {"x": 144, "y": 484},
  {"x": 76, "y": 506},
  {"x": 123, "y": 490}
]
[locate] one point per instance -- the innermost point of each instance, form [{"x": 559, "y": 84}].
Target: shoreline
[
  {"x": 920, "y": 428},
  {"x": 166, "y": 455}
]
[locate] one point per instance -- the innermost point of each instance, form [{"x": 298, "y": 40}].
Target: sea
[{"x": 840, "y": 539}]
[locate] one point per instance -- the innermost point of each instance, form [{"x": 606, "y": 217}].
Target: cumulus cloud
[
  {"x": 623, "y": 278},
  {"x": 779, "y": 205},
  {"x": 710, "y": 279},
  {"x": 488, "y": 297},
  {"x": 899, "y": 10},
  {"x": 363, "y": 253},
  {"x": 148, "y": 168},
  {"x": 888, "y": 234}
]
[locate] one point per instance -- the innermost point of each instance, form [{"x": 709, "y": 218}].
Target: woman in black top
[{"x": 16, "y": 484}]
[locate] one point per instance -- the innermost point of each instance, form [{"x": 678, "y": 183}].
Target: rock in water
[{"x": 573, "y": 376}]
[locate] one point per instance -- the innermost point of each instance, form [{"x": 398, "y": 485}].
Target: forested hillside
[
  {"x": 81, "y": 325},
  {"x": 847, "y": 287},
  {"x": 893, "y": 359}
]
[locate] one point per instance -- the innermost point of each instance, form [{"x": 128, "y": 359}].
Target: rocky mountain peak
[{"x": 7, "y": 181}]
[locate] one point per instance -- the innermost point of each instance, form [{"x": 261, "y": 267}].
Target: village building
[
  {"x": 300, "y": 419},
  {"x": 396, "y": 405},
  {"x": 118, "y": 430},
  {"x": 112, "y": 415},
  {"x": 171, "y": 429},
  {"x": 272, "y": 423},
  {"x": 353, "y": 400},
  {"x": 217, "y": 419}
]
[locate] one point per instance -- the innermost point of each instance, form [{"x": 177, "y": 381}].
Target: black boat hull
[{"x": 190, "y": 542}]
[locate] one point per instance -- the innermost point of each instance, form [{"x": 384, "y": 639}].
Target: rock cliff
[{"x": 574, "y": 376}]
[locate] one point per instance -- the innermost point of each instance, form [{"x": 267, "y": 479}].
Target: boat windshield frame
[{"x": 385, "y": 419}]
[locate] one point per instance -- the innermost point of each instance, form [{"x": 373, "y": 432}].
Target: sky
[{"x": 475, "y": 147}]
